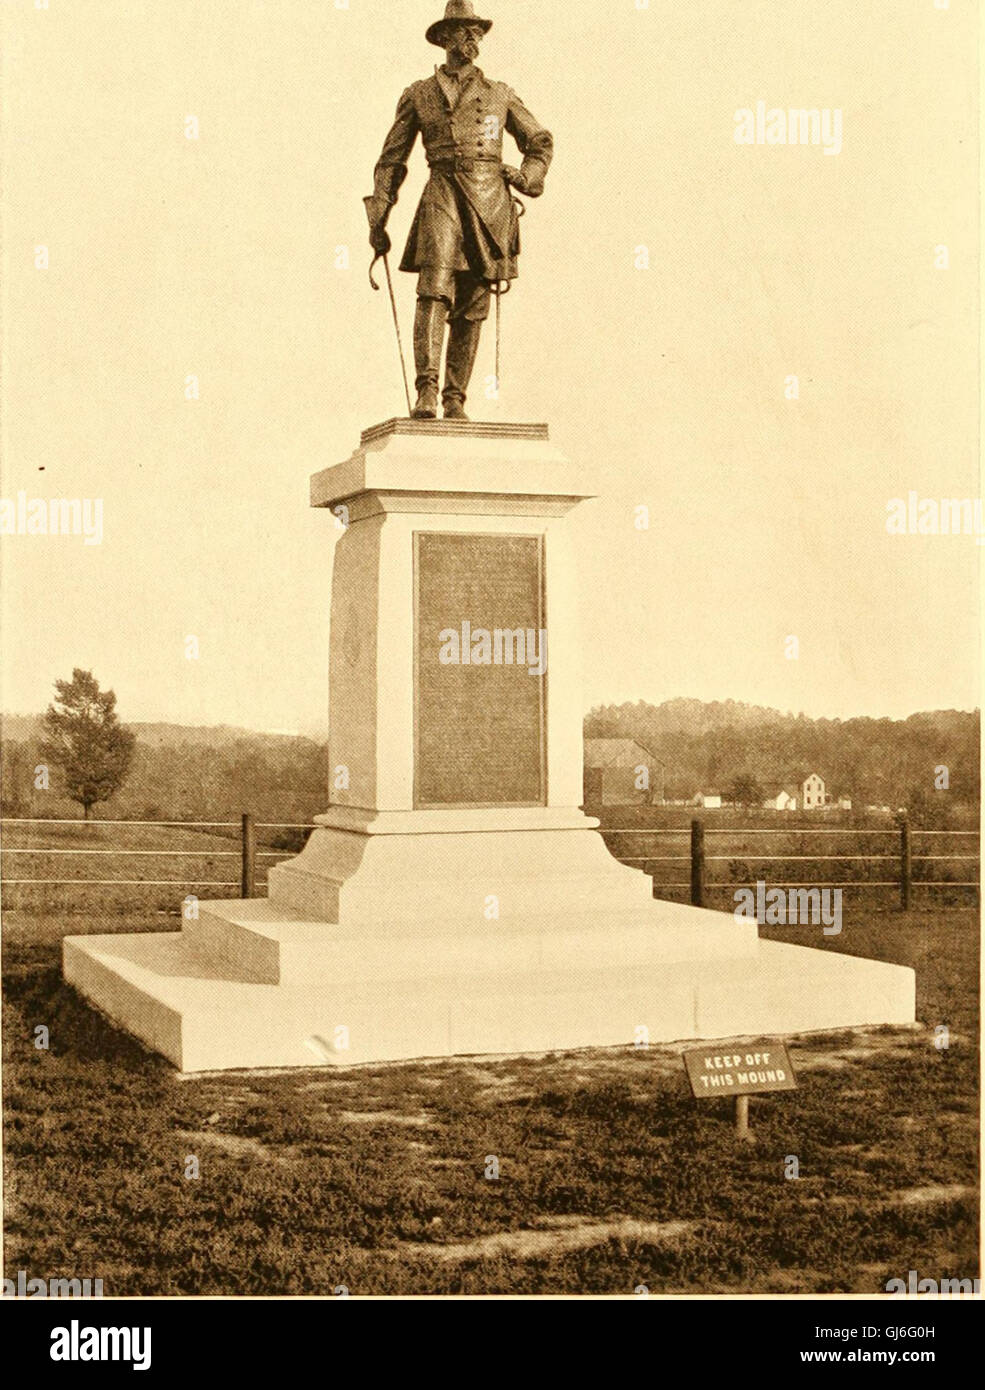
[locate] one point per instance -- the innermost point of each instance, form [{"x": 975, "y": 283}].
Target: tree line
[
  {"x": 83, "y": 756},
  {"x": 742, "y": 750}
]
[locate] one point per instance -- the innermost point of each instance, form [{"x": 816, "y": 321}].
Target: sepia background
[{"x": 219, "y": 257}]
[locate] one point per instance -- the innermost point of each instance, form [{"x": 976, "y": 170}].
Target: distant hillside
[
  {"x": 705, "y": 747},
  {"x": 696, "y": 716},
  {"x": 21, "y": 727},
  {"x": 181, "y": 773},
  {"x": 197, "y": 773}
]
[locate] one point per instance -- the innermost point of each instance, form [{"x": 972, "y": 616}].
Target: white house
[
  {"x": 812, "y": 793},
  {"x": 785, "y": 799},
  {"x": 711, "y": 801},
  {"x": 806, "y": 793}
]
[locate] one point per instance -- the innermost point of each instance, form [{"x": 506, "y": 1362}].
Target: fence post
[
  {"x": 697, "y": 863},
  {"x": 905, "y": 865},
  {"x": 248, "y": 876}
]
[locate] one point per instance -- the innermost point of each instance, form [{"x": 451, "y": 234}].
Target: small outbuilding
[{"x": 621, "y": 772}]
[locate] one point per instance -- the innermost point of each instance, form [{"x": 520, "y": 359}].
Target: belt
[{"x": 463, "y": 164}]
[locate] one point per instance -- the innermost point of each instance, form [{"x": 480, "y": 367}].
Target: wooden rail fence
[
  {"x": 698, "y": 857},
  {"x": 699, "y": 884},
  {"x": 247, "y": 854}
]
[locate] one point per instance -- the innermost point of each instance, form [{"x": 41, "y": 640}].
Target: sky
[{"x": 671, "y": 282}]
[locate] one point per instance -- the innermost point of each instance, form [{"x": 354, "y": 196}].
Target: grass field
[{"x": 610, "y": 1176}]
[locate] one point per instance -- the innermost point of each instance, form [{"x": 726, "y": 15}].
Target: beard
[{"x": 465, "y": 49}]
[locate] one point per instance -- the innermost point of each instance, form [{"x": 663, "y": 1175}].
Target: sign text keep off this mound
[{"x": 739, "y": 1069}]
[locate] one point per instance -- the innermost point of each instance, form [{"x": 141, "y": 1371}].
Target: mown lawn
[{"x": 610, "y": 1176}]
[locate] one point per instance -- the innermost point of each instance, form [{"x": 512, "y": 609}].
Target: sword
[
  {"x": 502, "y": 287},
  {"x": 382, "y": 256},
  {"x": 397, "y": 176},
  {"x": 499, "y": 292}
]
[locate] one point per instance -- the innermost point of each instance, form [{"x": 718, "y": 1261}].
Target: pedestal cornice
[{"x": 408, "y": 465}]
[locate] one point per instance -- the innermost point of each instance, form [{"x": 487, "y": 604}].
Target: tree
[
  {"x": 746, "y": 791},
  {"x": 84, "y": 739}
]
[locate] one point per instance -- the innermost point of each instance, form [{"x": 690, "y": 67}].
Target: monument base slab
[{"x": 204, "y": 1016}]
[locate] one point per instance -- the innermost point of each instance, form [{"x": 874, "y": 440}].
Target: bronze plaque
[{"x": 480, "y": 679}]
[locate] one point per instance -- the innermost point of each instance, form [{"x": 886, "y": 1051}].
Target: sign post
[
  {"x": 742, "y": 1117},
  {"x": 739, "y": 1069}
]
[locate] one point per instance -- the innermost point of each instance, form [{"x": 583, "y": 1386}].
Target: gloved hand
[
  {"x": 514, "y": 178},
  {"x": 379, "y": 239}
]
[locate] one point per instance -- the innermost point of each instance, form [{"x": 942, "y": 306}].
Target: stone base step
[
  {"x": 263, "y": 941},
  {"x": 387, "y": 884},
  {"x": 156, "y": 988}
]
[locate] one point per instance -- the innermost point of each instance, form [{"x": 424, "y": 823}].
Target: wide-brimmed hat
[{"x": 456, "y": 12}]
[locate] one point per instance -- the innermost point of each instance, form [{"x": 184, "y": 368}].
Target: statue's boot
[
  {"x": 429, "y": 334},
  {"x": 463, "y": 344}
]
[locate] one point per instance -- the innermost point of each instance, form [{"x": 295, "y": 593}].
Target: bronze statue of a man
[{"x": 465, "y": 237}]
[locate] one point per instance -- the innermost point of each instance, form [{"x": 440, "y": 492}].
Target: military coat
[{"x": 467, "y": 218}]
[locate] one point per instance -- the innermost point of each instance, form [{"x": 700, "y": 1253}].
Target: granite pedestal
[{"x": 454, "y": 898}]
